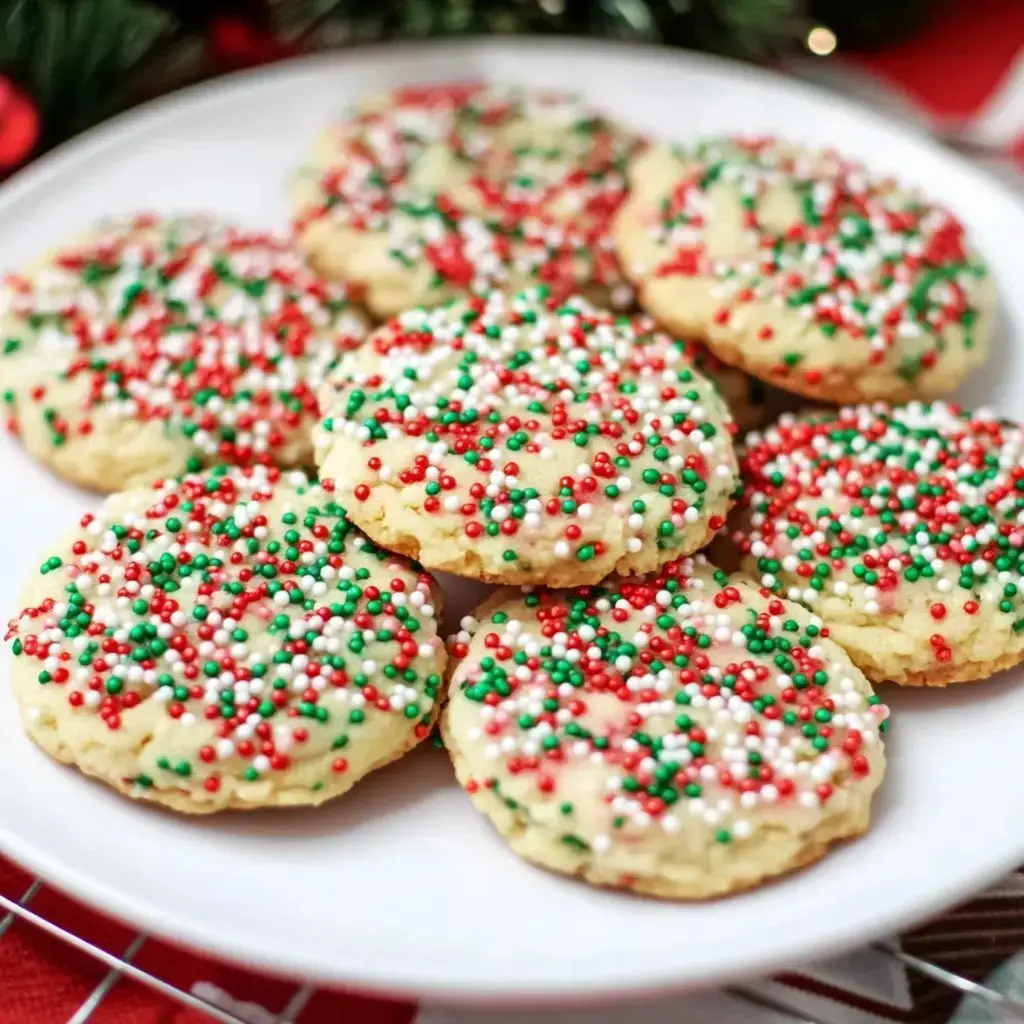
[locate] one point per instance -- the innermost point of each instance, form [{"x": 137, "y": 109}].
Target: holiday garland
[{"x": 66, "y": 64}]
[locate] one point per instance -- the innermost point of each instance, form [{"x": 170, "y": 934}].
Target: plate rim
[{"x": 407, "y": 979}]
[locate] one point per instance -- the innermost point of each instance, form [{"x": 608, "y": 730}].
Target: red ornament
[
  {"x": 19, "y": 125},
  {"x": 236, "y": 43}
]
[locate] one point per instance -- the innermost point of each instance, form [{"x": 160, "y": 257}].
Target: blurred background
[{"x": 951, "y": 64}]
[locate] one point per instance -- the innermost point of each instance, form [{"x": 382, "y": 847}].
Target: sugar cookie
[
  {"x": 429, "y": 193},
  {"x": 901, "y": 528},
  {"x": 683, "y": 736},
  {"x": 517, "y": 440},
  {"x": 799, "y": 268},
  {"x": 226, "y": 641},
  {"x": 155, "y": 345}
]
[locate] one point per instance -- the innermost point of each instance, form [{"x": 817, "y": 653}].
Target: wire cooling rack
[{"x": 120, "y": 966}]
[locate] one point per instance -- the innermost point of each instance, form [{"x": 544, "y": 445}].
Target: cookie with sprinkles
[
  {"x": 156, "y": 344},
  {"x": 804, "y": 270},
  {"x": 429, "y": 193},
  {"x": 686, "y": 735},
  {"x": 228, "y": 640},
  {"x": 517, "y": 439},
  {"x": 902, "y": 527},
  {"x": 751, "y": 402}
]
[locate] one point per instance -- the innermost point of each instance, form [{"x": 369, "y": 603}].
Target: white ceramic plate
[{"x": 402, "y": 885}]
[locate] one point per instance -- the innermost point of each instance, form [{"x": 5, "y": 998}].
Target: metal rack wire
[{"x": 121, "y": 966}]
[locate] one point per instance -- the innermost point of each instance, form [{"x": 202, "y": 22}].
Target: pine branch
[
  {"x": 75, "y": 57},
  {"x": 751, "y": 28},
  {"x": 296, "y": 19},
  {"x": 361, "y": 20},
  {"x": 744, "y": 28},
  {"x": 83, "y": 59}
]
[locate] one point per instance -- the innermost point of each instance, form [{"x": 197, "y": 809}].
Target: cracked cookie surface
[
  {"x": 157, "y": 344},
  {"x": 434, "y": 192},
  {"x": 519, "y": 439},
  {"x": 684, "y": 736},
  {"x": 801, "y": 268},
  {"x": 229, "y": 640},
  {"x": 901, "y": 526}
]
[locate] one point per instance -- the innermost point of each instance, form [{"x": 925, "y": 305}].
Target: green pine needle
[
  {"x": 83, "y": 59},
  {"x": 751, "y": 28},
  {"x": 75, "y": 57}
]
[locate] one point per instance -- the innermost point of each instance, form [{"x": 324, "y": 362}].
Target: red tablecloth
[{"x": 44, "y": 981}]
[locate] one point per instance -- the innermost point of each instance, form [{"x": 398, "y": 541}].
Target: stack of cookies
[{"x": 515, "y": 342}]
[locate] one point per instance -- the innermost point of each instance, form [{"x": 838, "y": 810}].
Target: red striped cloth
[
  {"x": 963, "y": 73},
  {"x": 44, "y": 981}
]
